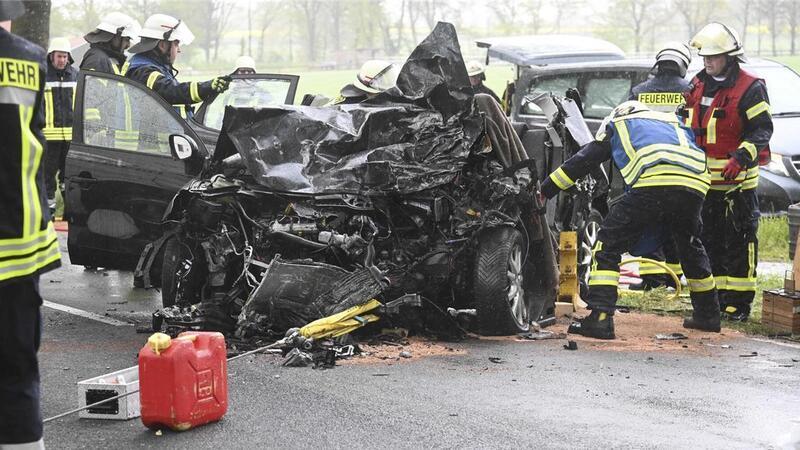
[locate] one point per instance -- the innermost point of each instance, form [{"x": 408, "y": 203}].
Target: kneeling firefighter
[
  {"x": 161, "y": 39},
  {"x": 666, "y": 179}
]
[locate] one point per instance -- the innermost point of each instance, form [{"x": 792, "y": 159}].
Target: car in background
[
  {"x": 120, "y": 172},
  {"x": 603, "y": 77}
]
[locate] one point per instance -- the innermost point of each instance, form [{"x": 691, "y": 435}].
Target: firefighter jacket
[
  {"x": 148, "y": 69},
  {"x": 59, "y": 98},
  {"x": 483, "y": 89},
  {"x": 730, "y": 118},
  {"x": 28, "y": 244},
  {"x": 101, "y": 58},
  {"x": 663, "y": 92},
  {"x": 650, "y": 149}
]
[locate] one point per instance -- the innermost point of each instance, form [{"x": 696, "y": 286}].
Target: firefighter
[
  {"x": 245, "y": 65},
  {"x": 374, "y": 76},
  {"x": 477, "y": 75},
  {"x": 28, "y": 244},
  {"x": 108, "y": 42},
  {"x": 59, "y": 98},
  {"x": 728, "y": 109},
  {"x": 666, "y": 179},
  {"x": 663, "y": 92},
  {"x": 152, "y": 65}
]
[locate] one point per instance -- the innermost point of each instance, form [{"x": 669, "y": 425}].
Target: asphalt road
[{"x": 540, "y": 395}]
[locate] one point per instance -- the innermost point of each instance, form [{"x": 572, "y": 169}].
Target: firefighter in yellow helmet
[
  {"x": 160, "y": 43},
  {"x": 728, "y": 109},
  {"x": 59, "y": 98},
  {"x": 28, "y": 243},
  {"x": 666, "y": 179},
  {"x": 374, "y": 77},
  {"x": 477, "y": 75}
]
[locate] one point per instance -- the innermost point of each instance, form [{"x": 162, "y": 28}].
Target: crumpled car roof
[{"x": 412, "y": 137}]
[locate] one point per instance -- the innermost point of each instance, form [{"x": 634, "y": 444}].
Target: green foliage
[{"x": 773, "y": 239}]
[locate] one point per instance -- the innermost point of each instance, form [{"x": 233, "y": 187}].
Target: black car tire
[
  {"x": 498, "y": 271},
  {"x": 171, "y": 259}
]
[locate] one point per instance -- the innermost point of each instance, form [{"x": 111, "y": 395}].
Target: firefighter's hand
[
  {"x": 220, "y": 84},
  {"x": 732, "y": 169}
]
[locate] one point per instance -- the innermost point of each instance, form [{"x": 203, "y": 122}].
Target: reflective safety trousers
[
  {"x": 28, "y": 244},
  {"x": 654, "y": 149}
]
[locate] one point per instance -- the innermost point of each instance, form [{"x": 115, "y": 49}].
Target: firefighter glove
[
  {"x": 220, "y": 84},
  {"x": 732, "y": 169}
]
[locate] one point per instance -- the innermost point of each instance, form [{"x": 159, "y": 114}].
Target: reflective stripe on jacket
[
  {"x": 654, "y": 149},
  {"x": 28, "y": 243},
  {"x": 59, "y": 100}
]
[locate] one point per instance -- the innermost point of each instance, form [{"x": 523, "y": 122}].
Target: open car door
[{"x": 120, "y": 173}]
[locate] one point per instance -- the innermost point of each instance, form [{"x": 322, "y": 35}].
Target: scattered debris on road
[{"x": 671, "y": 337}]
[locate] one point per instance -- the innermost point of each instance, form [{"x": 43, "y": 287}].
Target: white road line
[
  {"x": 776, "y": 342},
  {"x": 85, "y": 314}
]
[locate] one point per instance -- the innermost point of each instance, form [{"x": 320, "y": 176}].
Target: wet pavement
[{"x": 539, "y": 394}]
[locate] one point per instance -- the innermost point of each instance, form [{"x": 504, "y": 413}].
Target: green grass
[
  {"x": 660, "y": 301},
  {"x": 773, "y": 239}
]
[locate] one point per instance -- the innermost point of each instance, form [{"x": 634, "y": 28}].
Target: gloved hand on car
[{"x": 220, "y": 84}]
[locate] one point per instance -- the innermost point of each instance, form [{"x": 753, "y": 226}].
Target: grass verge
[
  {"x": 660, "y": 301},
  {"x": 773, "y": 239}
]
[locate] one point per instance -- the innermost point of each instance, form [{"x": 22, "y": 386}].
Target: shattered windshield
[
  {"x": 246, "y": 93},
  {"x": 601, "y": 91}
]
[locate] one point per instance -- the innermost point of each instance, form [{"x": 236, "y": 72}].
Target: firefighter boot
[
  {"x": 705, "y": 315},
  {"x": 598, "y": 325}
]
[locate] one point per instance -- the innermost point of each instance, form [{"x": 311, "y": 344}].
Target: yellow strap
[
  {"x": 625, "y": 138},
  {"x": 757, "y": 109},
  {"x": 701, "y": 285},
  {"x": 711, "y": 129},
  {"x": 48, "y": 109},
  {"x": 604, "y": 278},
  {"x": 689, "y": 118},
  {"x": 751, "y": 149}
]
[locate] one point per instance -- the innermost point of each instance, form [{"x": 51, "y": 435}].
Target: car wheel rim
[
  {"x": 516, "y": 293},
  {"x": 589, "y": 238}
]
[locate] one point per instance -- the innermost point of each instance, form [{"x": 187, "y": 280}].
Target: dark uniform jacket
[
  {"x": 149, "y": 69},
  {"x": 103, "y": 59},
  {"x": 482, "y": 89},
  {"x": 28, "y": 244},
  {"x": 59, "y": 99},
  {"x": 662, "y": 92}
]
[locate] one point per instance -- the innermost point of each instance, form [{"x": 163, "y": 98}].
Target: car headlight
[{"x": 776, "y": 165}]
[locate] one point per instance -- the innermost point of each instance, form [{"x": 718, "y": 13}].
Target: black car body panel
[{"x": 120, "y": 173}]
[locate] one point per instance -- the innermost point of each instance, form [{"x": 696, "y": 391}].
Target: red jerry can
[{"x": 183, "y": 382}]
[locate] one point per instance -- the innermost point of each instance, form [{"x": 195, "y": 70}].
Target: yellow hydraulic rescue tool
[{"x": 569, "y": 299}]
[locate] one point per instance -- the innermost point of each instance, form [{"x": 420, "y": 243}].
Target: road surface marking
[{"x": 85, "y": 314}]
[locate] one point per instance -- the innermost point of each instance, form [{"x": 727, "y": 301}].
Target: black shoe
[
  {"x": 598, "y": 325},
  {"x": 711, "y": 324},
  {"x": 735, "y": 313}
]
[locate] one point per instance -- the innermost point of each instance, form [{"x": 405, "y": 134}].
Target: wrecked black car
[{"x": 420, "y": 197}]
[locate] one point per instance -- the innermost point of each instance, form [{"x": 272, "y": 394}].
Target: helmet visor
[{"x": 180, "y": 32}]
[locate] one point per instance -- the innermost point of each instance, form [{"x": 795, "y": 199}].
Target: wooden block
[
  {"x": 564, "y": 309},
  {"x": 781, "y": 311}
]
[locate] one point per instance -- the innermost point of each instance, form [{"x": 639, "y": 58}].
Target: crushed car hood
[{"x": 412, "y": 137}]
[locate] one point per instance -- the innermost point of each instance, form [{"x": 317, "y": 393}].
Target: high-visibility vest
[
  {"x": 28, "y": 243},
  {"x": 652, "y": 148}
]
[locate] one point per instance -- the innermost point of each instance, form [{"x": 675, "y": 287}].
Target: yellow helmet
[
  {"x": 376, "y": 76},
  {"x": 245, "y": 62},
  {"x": 59, "y": 44},
  {"x": 717, "y": 39}
]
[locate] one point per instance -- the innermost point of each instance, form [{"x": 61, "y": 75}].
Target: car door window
[
  {"x": 555, "y": 85},
  {"x": 124, "y": 116},
  {"x": 247, "y": 93},
  {"x": 603, "y": 94}
]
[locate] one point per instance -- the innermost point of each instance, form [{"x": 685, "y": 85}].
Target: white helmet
[
  {"x": 161, "y": 27},
  {"x": 376, "y": 76},
  {"x": 119, "y": 23},
  {"x": 59, "y": 44},
  {"x": 475, "y": 68},
  {"x": 245, "y": 62},
  {"x": 677, "y": 52},
  {"x": 717, "y": 39},
  {"x": 623, "y": 109}
]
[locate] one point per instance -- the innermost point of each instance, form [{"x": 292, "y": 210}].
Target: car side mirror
[{"x": 182, "y": 147}]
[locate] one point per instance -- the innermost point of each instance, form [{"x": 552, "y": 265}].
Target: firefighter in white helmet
[
  {"x": 59, "y": 94},
  {"x": 477, "y": 75},
  {"x": 728, "y": 109},
  {"x": 245, "y": 65},
  {"x": 160, "y": 43},
  {"x": 374, "y": 77},
  {"x": 666, "y": 180},
  {"x": 662, "y": 92},
  {"x": 108, "y": 42}
]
